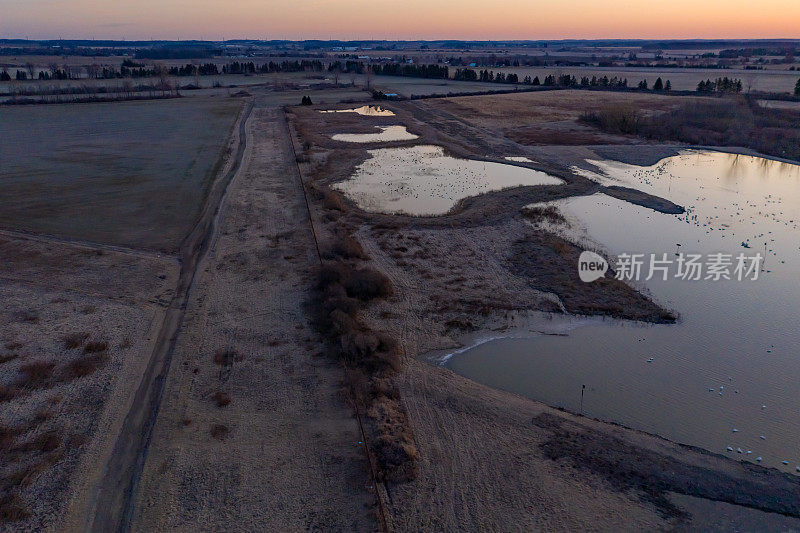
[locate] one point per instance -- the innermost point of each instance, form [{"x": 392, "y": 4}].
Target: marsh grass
[
  {"x": 548, "y": 213},
  {"x": 371, "y": 358}
]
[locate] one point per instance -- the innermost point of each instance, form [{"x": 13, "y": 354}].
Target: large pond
[
  {"x": 422, "y": 180},
  {"x": 726, "y": 377}
]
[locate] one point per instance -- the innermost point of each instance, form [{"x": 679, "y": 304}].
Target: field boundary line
[{"x": 91, "y": 245}]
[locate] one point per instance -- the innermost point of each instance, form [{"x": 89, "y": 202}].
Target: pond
[
  {"x": 422, "y": 180},
  {"x": 385, "y": 134},
  {"x": 366, "y": 110},
  {"x": 726, "y": 377}
]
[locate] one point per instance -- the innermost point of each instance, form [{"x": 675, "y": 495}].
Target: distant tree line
[
  {"x": 724, "y": 85},
  {"x": 132, "y": 69},
  {"x": 411, "y": 70},
  {"x": 284, "y": 66},
  {"x": 206, "y": 69}
]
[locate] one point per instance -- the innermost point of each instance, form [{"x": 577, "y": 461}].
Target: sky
[{"x": 398, "y": 19}]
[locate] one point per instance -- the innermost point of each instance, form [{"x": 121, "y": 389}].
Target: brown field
[
  {"x": 550, "y": 117},
  {"x": 131, "y": 174}
]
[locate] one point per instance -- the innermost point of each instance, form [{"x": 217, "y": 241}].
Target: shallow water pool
[{"x": 422, "y": 180}]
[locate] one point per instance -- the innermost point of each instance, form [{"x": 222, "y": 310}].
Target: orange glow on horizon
[{"x": 400, "y": 19}]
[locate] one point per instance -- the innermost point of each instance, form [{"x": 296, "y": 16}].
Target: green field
[{"x": 128, "y": 173}]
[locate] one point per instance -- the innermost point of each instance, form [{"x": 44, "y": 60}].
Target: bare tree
[
  {"x": 749, "y": 80},
  {"x": 31, "y": 69},
  {"x": 127, "y": 87},
  {"x": 368, "y": 77},
  {"x": 162, "y": 72}
]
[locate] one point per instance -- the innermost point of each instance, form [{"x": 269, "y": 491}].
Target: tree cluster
[
  {"x": 721, "y": 86},
  {"x": 411, "y": 70}
]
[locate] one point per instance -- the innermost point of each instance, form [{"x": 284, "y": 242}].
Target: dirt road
[{"x": 252, "y": 428}]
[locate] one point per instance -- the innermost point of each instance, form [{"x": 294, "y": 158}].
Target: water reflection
[
  {"x": 367, "y": 111},
  {"x": 386, "y": 134},
  {"x": 731, "y": 363},
  {"x": 422, "y": 180}
]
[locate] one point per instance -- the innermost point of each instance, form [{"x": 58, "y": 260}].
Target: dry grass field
[
  {"x": 131, "y": 174},
  {"x": 77, "y": 326},
  {"x": 549, "y": 117}
]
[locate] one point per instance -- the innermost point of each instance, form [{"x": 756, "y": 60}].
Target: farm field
[
  {"x": 203, "y": 82},
  {"x": 422, "y": 86},
  {"x": 132, "y": 174}
]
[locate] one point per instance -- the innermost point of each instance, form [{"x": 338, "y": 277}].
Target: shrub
[
  {"x": 43, "y": 443},
  {"x": 86, "y": 365},
  {"x": 12, "y": 508},
  {"x": 732, "y": 121},
  {"x": 7, "y": 393},
  {"x": 95, "y": 347},
  {"x": 367, "y": 284},
  {"x": 226, "y": 356},
  {"x": 219, "y": 431},
  {"x": 31, "y": 317},
  {"x": 394, "y": 447},
  {"x": 346, "y": 247},
  {"x": 43, "y": 415},
  {"x": 222, "y": 398},
  {"x": 74, "y": 340},
  {"x": 36, "y": 375},
  {"x": 333, "y": 200},
  {"x": 615, "y": 119},
  {"x": 335, "y": 298}
]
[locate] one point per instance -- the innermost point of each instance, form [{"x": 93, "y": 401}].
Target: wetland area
[{"x": 283, "y": 300}]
